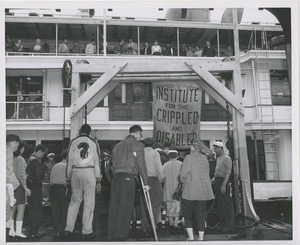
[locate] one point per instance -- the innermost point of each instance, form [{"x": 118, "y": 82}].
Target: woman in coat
[
  {"x": 171, "y": 171},
  {"x": 197, "y": 189},
  {"x": 19, "y": 167}
]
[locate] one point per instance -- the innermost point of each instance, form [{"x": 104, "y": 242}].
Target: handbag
[{"x": 178, "y": 192}]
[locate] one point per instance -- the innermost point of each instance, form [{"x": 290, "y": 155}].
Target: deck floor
[{"x": 267, "y": 229}]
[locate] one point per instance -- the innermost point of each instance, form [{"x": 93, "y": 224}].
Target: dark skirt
[{"x": 20, "y": 195}]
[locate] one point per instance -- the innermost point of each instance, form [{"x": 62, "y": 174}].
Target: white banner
[{"x": 176, "y": 112}]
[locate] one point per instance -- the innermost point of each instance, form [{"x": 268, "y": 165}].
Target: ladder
[{"x": 267, "y": 118}]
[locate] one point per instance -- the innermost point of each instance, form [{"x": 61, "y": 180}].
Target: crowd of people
[
  {"x": 181, "y": 185},
  {"x": 121, "y": 48}
]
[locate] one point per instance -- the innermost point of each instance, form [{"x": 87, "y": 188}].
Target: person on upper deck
[
  {"x": 208, "y": 51},
  {"x": 182, "y": 50},
  {"x": 63, "y": 47},
  {"x": 9, "y": 45},
  {"x": 132, "y": 47},
  {"x": 147, "y": 49},
  {"x": 156, "y": 49},
  {"x": 228, "y": 52},
  {"x": 19, "y": 46},
  {"x": 169, "y": 50},
  {"x": 198, "y": 52},
  {"x": 76, "y": 48},
  {"x": 37, "y": 47},
  {"x": 91, "y": 47},
  {"x": 190, "y": 52},
  {"x": 120, "y": 49}
]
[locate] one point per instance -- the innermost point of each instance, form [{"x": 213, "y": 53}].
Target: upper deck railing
[{"x": 107, "y": 32}]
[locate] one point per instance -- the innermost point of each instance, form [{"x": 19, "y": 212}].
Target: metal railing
[{"x": 26, "y": 110}]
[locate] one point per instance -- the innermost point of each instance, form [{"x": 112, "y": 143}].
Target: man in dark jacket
[
  {"x": 128, "y": 161},
  {"x": 35, "y": 176}
]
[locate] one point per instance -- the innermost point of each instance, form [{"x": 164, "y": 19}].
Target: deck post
[
  {"x": 76, "y": 120},
  {"x": 239, "y": 133}
]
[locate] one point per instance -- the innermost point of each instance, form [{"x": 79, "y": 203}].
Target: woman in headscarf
[
  {"x": 197, "y": 189},
  {"x": 171, "y": 171}
]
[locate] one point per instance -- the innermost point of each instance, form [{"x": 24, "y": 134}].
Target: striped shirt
[{"x": 195, "y": 177}]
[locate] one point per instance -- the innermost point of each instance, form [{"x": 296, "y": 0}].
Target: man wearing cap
[
  {"x": 128, "y": 160},
  {"x": 12, "y": 143},
  {"x": 222, "y": 188},
  {"x": 83, "y": 171}
]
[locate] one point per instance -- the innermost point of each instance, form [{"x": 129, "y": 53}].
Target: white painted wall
[{"x": 284, "y": 154}]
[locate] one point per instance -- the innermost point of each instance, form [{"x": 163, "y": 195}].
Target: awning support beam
[
  {"x": 89, "y": 95},
  {"x": 218, "y": 87}
]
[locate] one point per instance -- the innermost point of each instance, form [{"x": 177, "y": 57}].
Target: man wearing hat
[
  {"x": 128, "y": 160},
  {"x": 222, "y": 188}
]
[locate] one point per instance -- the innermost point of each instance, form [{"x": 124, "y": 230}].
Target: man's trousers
[
  {"x": 121, "y": 205},
  {"x": 225, "y": 206},
  {"x": 83, "y": 183},
  {"x": 59, "y": 207},
  {"x": 35, "y": 208}
]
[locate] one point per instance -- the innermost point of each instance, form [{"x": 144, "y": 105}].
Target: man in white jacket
[{"x": 83, "y": 171}]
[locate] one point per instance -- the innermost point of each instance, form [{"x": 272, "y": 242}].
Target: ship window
[
  {"x": 78, "y": 37},
  {"x": 195, "y": 36},
  {"x": 120, "y": 94},
  {"x": 31, "y": 86},
  {"x": 138, "y": 93},
  {"x": 280, "y": 86},
  {"x": 166, "y": 37},
  {"x": 117, "y": 33},
  {"x": 28, "y": 33},
  {"x": 226, "y": 40}
]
